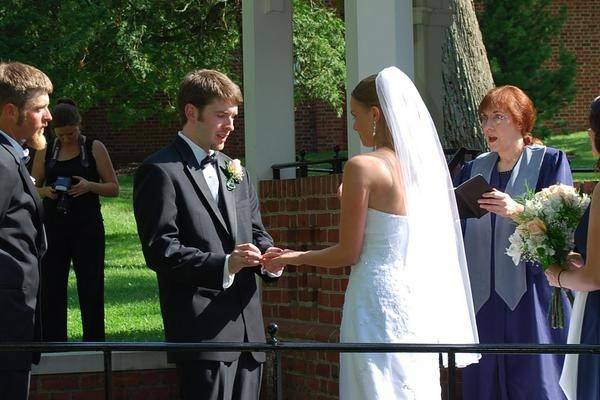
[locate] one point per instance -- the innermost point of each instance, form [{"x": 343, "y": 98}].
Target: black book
[{"x": 467, "y": 194}]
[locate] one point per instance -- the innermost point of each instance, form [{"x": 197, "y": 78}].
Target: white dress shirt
[{"x": 212, "y": 180}]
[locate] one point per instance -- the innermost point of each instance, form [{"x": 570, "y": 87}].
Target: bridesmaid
[{"x": 584, "y": 275}]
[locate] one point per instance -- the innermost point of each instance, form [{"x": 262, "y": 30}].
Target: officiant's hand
[
  {"x": 244, "y": 255},
  {"x": 500, "y": 203}
]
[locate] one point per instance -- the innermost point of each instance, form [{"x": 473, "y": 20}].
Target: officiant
[{"x": 511, "y": 302}]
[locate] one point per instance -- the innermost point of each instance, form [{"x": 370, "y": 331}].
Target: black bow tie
[{"x": 209, "y": 159}]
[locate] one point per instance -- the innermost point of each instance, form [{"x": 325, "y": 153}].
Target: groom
[{"x": 199, "y": 224}]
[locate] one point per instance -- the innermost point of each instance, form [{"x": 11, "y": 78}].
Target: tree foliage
[
  {"x": 130, "y": 55},
  {"x": 319, "y": 54},
  {"x": 518, "y": 36},
  {"x": 127, "y": 54}
]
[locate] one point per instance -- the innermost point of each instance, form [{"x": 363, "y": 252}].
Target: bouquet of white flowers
[{"x": 544, "y": 234}]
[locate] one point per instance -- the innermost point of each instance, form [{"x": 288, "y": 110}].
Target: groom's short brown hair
[{"x": 202, "y": 86}]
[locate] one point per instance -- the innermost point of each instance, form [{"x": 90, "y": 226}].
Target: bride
[{"x": 399, "y": 229}]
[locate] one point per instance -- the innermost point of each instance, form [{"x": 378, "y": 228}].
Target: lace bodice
[
  {"x": 380, "y": 307},
  {"x": 379, "y": 290}
]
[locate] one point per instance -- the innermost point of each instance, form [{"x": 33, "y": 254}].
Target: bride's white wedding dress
[{"x": 380, "y": 307}]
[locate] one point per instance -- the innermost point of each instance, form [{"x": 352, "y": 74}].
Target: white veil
[{"x": 436, "y": 255}]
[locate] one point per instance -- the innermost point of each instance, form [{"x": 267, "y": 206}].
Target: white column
[
  {"x": 379, "y": 34},
  {"x": 268, "y": 86},
  {"x": 431, "y": 19}
]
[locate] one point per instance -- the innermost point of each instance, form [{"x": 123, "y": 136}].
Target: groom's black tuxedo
[
  {"x": 185, "y": 235},
  {"x": 22, "y": 244}
]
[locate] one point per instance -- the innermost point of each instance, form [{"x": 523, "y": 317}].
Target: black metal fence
[
  {"x": 278, "y": 347},
  {"x": 302, "y": 166},
  {"x": 455, "y": 158}
]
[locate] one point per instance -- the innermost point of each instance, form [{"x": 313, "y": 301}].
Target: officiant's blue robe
[{"x": 509, "y": 376}]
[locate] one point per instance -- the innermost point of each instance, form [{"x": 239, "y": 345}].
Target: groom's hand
[{"x": 244, "y": 255}]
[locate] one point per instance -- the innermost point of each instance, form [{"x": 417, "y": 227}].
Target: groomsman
[
  {"x": 24, "y": 114},
  {"x": 201, "y": 232}
]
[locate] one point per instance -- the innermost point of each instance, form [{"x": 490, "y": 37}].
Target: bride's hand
[
  {"x": 288, "y": 257},
  {"x": 500, "y": 203}
]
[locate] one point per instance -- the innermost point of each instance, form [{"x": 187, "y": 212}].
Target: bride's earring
[{"x": 374, "y": 128}]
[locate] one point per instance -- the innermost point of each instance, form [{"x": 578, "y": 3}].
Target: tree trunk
[{"x": 466, "y": 77}]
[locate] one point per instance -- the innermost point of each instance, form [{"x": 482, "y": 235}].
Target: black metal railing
[
  {"x": 277, "y": 347},
  {"x": 333, "y": 165},
  {"x": 455, "y": 158}
]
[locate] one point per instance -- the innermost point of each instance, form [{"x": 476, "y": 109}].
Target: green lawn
[
  {"x": 131, "y": 294},
  {"x": 578, "y": 146}
]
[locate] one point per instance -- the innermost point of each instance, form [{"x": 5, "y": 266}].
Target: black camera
[{"x": 63, "y": 200}]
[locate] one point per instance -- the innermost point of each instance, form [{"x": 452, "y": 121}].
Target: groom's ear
[{"x": 191, "y": 112}]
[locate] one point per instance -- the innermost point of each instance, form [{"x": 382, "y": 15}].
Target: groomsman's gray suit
[{"x": 22, "y": 245}]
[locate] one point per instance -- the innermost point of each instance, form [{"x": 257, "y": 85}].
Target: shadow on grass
[
  {"x": 122, "y": 249},
  {"x": 140, "y": 289}
]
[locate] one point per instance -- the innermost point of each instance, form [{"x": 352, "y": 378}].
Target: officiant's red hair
[{"x": 517, "y": 104}]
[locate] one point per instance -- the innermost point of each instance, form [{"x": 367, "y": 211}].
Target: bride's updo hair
[
  {"x": 516, "y": 103},
  {"x": 366, "y": 93}
]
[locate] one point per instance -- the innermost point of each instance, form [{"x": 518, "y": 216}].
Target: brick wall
[
  {"x": 130, "y": 385},
  {"x": 583, "y": 40},
  {"x": 306, "y": 303}
]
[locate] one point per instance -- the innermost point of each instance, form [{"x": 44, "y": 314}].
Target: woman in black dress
[{"x": 71, "y": 173}]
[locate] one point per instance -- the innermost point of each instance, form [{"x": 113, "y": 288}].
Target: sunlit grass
[{"x": 577, "y": 145}]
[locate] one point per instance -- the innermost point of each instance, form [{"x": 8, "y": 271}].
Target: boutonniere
[
  {"x": 32, "y": 180},
  {"x": 234, "y": 172}
]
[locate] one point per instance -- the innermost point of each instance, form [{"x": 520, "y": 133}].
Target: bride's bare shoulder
[
  {"x": 364, "y": 160},
  {"x": 367, "y": 164}
]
